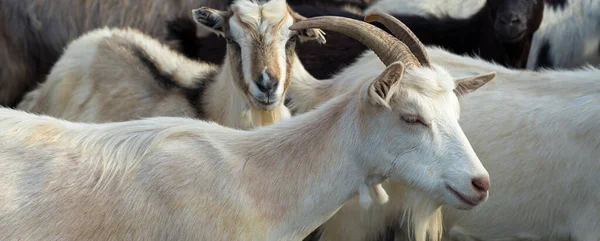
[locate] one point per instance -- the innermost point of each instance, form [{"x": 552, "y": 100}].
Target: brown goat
[{"x": 36, "y": 31}]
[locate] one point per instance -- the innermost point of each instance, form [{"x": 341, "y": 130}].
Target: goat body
[
  {"x": 169, "y": 178},
  {"x": 35, "y": 32}
]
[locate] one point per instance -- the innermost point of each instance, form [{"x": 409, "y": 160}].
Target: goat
[
  {"x": 569, "y": 36},
  {"x": 184, "y": 179},
  {"x": 308, "y": 93},
  {"x": 116, "y": 75},
  {"x": 476, "y": 35},
  {"x": 35, "y": 32},
  {"x": 539, "y": 124}
]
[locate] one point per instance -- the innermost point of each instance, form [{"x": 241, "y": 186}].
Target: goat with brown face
[
  {"x": 117, "y": 74},
  {"x": 260, "y": 47}
]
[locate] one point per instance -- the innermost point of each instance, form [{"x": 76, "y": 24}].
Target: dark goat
[
  {"x": 501, "y": 32},
  {"x": 34, "y": 32}
]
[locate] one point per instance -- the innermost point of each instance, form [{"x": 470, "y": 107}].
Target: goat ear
[
  {"x": 312, "y": 34},
  {"x": 470, "y": 84},
  {"x": 308, "y": 34},
  {"x": 210, "y": 18},
  {"x": 381, "y": 90}
]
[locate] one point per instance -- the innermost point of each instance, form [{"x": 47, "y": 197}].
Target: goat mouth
[
  {"x": 266, "y": 102},
  {"x": 512, "y": 38},
  {"x": 461, "y": 197}
]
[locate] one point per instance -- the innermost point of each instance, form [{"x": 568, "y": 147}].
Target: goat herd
[{"x": 329, "y": 120}]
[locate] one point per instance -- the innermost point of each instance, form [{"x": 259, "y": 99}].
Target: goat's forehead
[
  {"x": 428, "y": 90},
  {"x": 442, "y": 105},
  {"x": 429, "y": 81},
  {"x": 265, "y": 19}
]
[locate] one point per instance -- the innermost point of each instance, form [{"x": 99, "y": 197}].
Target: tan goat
[{"x": 121, "y": 74}]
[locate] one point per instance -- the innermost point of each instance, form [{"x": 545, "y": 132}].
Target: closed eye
[{"x": 413, "y": 120}]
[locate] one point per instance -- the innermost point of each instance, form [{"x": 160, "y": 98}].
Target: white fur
[
  {"x": 439, "y": 8},
  {"x": 537, "y": 134},
  {"x": 573, "y": 34},
  {"x": 306, "y": 93},
  {"x": 168, "y": 178}
]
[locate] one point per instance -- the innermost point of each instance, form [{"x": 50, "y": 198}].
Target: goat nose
[
  {"x": 267, "y": 87},
  {"x": 481, "y": 184},
  {"x": 510, "y": 20}
]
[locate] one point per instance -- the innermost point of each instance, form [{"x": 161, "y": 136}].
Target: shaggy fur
[
  {"x": 175, "y": 178},
  {"x": 35, "y": 32},
  {"x": 569, "y": 36},
  {"x": 115, "y": 75},
  {"x": 541, "y": 137}
]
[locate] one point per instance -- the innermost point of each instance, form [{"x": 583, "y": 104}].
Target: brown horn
[
  {"x": 385, "y": 46},
  {"x": 403, "y": 33}
]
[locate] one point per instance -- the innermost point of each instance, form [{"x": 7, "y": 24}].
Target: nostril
[
  {"x": 481, "y": 184},
  {"x": 510, "y": 20},
  {"x": 268, "y": 87}
]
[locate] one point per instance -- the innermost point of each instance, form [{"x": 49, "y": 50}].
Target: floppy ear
[
  {"x": 308, "y": 34},
  {"x": 470, "y": 84},
  {"x": 212, "y": 19},
  {"x": 381, "y": 90}
]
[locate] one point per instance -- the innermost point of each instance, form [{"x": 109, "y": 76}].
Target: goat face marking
[{"x": 260, "y": 46}]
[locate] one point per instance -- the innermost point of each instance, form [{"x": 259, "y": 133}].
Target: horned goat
[
  {"x": 569, "y": 37},
  {"x": 541, "y": 140},
  {"x": 185, "y": 179},
  {"x": 116, "y": 75},
  {"x": 307, "y": 93}
]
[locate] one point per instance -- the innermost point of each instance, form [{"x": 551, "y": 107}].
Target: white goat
[
  {"x": 540, "y": 144},
  {"x": 569, "y": 36},
  {"x": 306, "y": 92},
  {"x": 122, "y": 74},
  {"x": 173, "y": 178}
]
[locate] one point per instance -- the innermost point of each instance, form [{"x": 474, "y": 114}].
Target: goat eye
[
  {"x": 229, "y": 40},
  {"x": 411, "y": 119}
]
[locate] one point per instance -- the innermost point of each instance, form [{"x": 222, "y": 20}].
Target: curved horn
[
  {"x": 403, "y": 33},
  {"x": 385, "y": 46}
]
